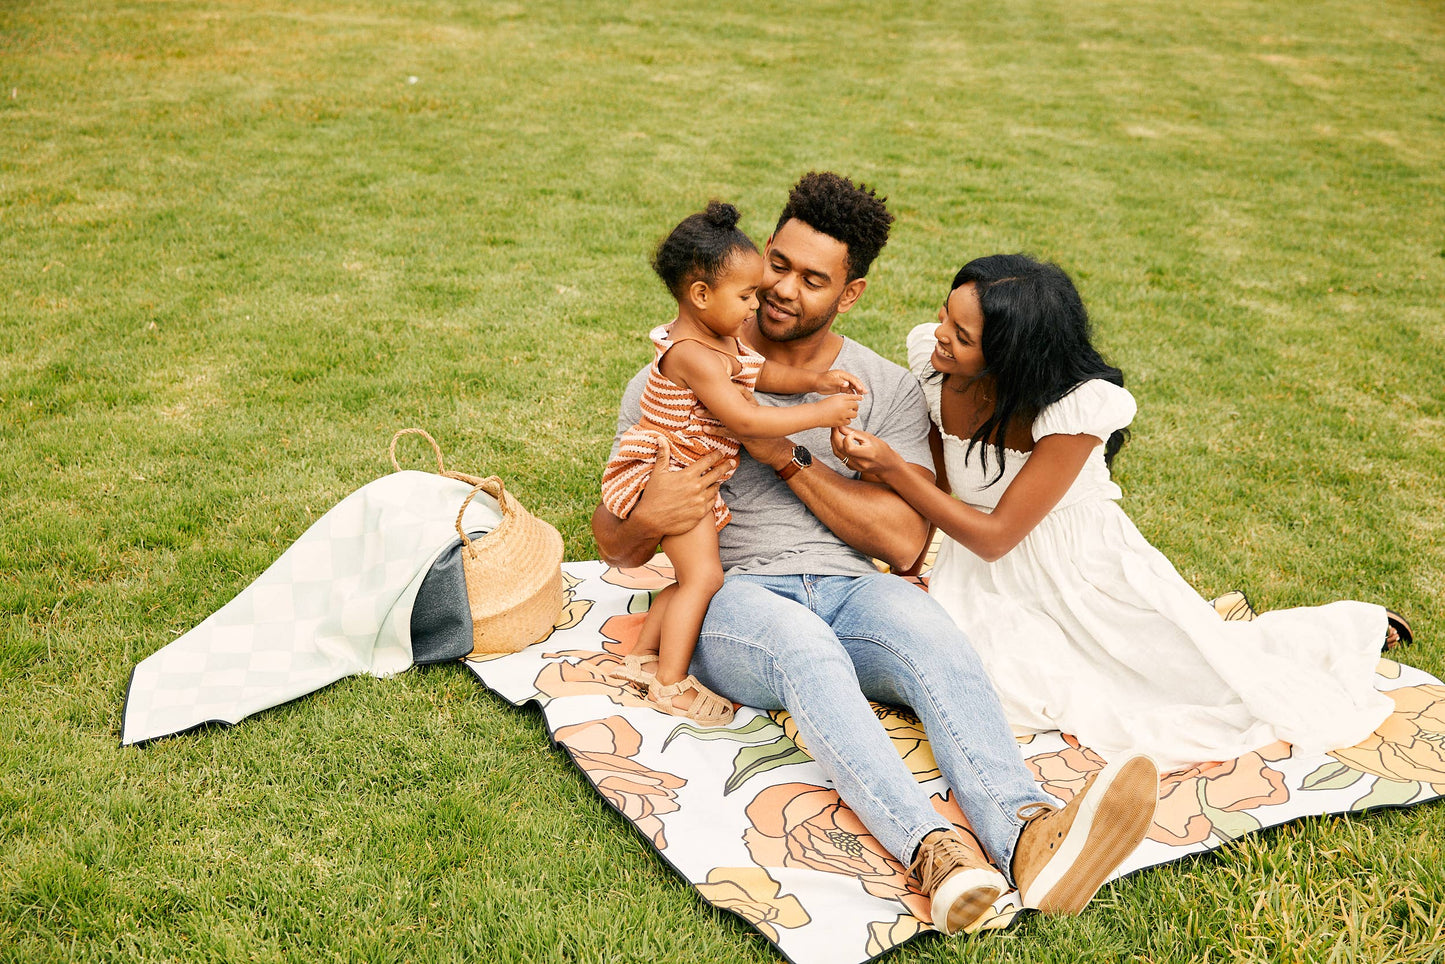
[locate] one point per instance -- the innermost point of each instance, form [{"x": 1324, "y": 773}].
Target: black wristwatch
[{"x": 801, "y": 459}]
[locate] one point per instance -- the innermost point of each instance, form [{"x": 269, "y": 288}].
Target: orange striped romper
[{"x": 674, "y": 412}]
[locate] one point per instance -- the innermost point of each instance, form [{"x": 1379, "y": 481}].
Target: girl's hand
[
  {"x": 837, "y": 410},
  {"x": 838, "y": 382},
  {"x": 863, "y": 453}
]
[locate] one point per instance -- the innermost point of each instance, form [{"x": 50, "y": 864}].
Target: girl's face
[
  {"x": 959, "y": 348},
  {"x": 733, "y": 298}
]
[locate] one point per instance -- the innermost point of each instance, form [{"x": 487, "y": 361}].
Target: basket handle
[
  {"x": 416, "y": 431},
  {"x": 492, "y": 485}
]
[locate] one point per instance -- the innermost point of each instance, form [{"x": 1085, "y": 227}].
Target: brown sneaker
[
  {"x": 960, "y": 884},
  {"x": 1063, "y": 856}
]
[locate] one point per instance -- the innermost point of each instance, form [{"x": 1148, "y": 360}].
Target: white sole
[
  {"x": 965, "y": 897},
  {"x": 1091, "y": 852}
]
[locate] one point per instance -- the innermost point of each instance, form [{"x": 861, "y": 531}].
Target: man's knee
[{"x": 890, "y": 599}]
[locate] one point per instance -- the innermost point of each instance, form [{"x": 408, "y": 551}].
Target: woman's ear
[{"x": 698, "y": 294}]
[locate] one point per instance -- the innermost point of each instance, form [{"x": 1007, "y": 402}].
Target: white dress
[{"x": 1085, "y": 627}]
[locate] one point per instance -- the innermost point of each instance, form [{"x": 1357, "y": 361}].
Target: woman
[{"x": 1084, "y": 626}]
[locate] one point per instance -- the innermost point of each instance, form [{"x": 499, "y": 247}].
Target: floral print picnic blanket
[{"x": 746, "y": 816}]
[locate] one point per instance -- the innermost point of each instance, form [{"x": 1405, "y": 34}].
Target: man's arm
[
  {"x": 671, "y": 503},
  {"x": 867, "y": 515}
]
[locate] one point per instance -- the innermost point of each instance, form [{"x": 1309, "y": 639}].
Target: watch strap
[{"x": 801, "y": 459}]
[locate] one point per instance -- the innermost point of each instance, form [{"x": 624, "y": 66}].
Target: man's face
[{"x": 805, "y": 283}]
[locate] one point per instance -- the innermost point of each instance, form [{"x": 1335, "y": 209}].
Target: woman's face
[{"x": 959, "y": 348}]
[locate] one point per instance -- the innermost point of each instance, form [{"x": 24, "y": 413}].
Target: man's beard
[{"x": 802, "y": 325}]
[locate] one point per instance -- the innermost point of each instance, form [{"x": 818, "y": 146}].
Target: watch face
[{"x": 802, "y": 456}]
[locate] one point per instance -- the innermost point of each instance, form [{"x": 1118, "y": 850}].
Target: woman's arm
[
  {"x": 940, "y": 481},
  {"x": 693, "y": 366},
  {"x": 1053, "y": 466}
]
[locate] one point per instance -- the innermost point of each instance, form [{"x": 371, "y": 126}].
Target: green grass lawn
[{"x": 242, "y": 242}]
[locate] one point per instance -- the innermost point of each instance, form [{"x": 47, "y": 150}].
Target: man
[{"x": 804, "y": 621}]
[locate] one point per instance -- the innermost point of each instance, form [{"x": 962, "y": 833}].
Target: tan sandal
[
  {"x": 707, "y": 707},
  {"x": 630, "y": 669}
]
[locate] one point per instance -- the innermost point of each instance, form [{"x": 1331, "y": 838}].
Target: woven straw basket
[{"x": 513, "y": 573}]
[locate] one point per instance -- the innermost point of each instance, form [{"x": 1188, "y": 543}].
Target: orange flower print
[
  {"x": 1179, "y": 820},
  {"x": 654, "y": 575},
  {"x": 603, "y": 749},
  {"x": 586, "y": 675},
  {"x": 1247, "y": 782},
  {"x": 1063, "y": 772},
  {"x": 802, "y": 825},
  {"x": 1410, "y": 744},
  {"x": 620, "y": 633},
  {"x": 754, "y": 896},
  {"x": 1198, "y": 802}
]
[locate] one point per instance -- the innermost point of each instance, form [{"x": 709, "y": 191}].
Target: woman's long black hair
[{"x": 1036, "y": 344}]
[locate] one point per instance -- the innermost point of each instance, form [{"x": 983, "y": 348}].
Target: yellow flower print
[
  {"x": 752, "y": 894},
  {"x": 1410, "y": 744}
]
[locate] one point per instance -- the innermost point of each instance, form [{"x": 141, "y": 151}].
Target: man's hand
[
  {"x": 674, "y": 502},
  {"x": 671, "y": 503}
]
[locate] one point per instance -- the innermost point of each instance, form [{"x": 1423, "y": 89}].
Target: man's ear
[
  {"x": 697, "y": 294},
  {"x": 852, "y": 291}
]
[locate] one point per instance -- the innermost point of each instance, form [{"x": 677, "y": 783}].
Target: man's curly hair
[{"x": 854, "y": 214}]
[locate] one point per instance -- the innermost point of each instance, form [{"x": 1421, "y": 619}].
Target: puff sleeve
[
  {"x": 1095, "y": 407},
  {"x": 920, "y": 350}
]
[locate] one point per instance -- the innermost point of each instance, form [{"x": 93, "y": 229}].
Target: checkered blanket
[
  {"x": 337, "y": 603},
  {"x": 746, "y": 816}
]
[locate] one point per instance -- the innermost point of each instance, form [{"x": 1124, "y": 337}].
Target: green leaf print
[
  {"x": 761, "y": 758},
  {"x": 1228, "y": 824},
  {"x": 1332, "y": 776},
  {"x": 760, "y": 729},
  {"x": 1389, "y": 793}
]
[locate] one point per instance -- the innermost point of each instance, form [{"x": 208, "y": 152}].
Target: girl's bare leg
[
  {"x": 649, "y": 638},
  {"x": 699, "y": 576}
]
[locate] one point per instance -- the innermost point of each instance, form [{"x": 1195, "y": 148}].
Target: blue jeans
[{"x": 821, "y": 647}]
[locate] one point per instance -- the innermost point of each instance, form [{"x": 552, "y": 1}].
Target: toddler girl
[{"x": 698, "y": 398}]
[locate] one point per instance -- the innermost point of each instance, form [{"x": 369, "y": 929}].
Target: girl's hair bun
[
  {"x": 700, "y": 247},
  {"x": 721, "y": 214}
]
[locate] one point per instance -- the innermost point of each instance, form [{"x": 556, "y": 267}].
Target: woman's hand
[{"x": 864, "y": 453}]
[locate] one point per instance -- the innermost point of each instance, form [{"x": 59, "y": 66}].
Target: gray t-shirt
[{"x": 772, "y": 533}]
